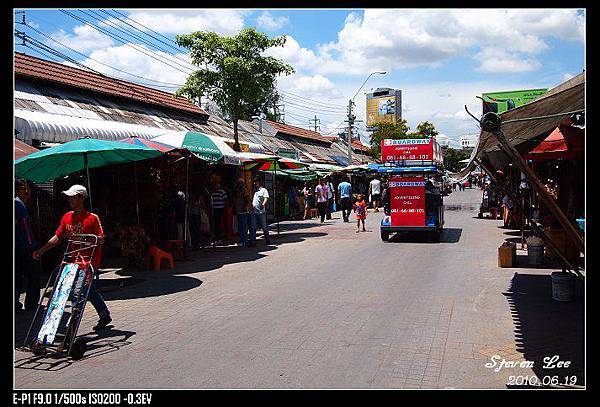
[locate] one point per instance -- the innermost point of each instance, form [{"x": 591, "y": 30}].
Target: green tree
[
  {"x": 425, "y": 130},
  {"x": 452, "y": 158},
  {"x": 387, "y": 130},
  {"x": 233, "y": 72}
]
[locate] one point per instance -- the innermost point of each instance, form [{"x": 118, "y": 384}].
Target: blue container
[{"x": 581, "y": 223}]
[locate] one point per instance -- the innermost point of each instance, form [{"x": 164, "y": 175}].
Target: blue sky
[{"x": 440, "y": 59}]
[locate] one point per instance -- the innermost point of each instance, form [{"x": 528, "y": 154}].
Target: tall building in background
[
  {"x": 384, "y": 105},
  {"x": 468, "y": 141}
]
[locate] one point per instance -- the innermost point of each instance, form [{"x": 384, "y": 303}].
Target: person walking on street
[
  {"x": 308, "y": 200},
  {"x": 344, "y": 199},
  {"x": 81, "y": 221},
  {"x": 26, "y": 270},
  {"x": 322, "y": 192},
  {"x": 375, "y": 191},
  {"x": 218, "y": 201},
  {"x": 259, "y": 212},
  {"x": 360, "y": 208},
  {"x": 330, "y": 198},
  {"x": 241, "y": 205}
]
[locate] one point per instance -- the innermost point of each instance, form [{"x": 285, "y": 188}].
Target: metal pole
[
  {"x": 275, "y": 197},
  {"x": 185, "y": 215},
  {"x": 89, "y": 185},
  {"x": 349, "y": 133},
  {"x": 137, "y": 199}
]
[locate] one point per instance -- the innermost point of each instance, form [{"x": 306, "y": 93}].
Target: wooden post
[{"x": 491, "y": 122}]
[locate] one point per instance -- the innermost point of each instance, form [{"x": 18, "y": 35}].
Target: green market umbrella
[
  {"x": 78, "y": 155},
  {"x": 200, "y": 144}
]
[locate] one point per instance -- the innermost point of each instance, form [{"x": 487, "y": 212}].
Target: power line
[
  {"x": 59, "y": 54},
  {"x": 311, "y": 100},
  {"x": 174, "y": 85},
  {"x": 142, "y": 25},
  {"x": 177, "y": 49},
  {"x": 122, "y": 41},
  {"x": 131, "y": 34}
]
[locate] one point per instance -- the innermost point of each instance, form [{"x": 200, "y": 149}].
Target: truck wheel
[{"x": 385, "y": 236}]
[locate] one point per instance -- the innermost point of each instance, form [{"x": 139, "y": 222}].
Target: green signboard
[{"x": 499, "y": 102}]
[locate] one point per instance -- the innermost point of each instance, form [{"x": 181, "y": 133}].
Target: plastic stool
[
  {"x": 157, "y": 256},
  {"x": 176, "y": 247}
]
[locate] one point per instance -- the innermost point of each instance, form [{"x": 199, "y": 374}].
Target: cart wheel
[
  {"x": 77, "y": 349},
  {"x": 385, "y": 236}
]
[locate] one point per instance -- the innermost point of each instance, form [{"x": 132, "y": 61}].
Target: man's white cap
[{"x": 76, "y": 190}]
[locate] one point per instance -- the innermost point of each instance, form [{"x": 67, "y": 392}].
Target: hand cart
[{"x": 72, "y": 281}]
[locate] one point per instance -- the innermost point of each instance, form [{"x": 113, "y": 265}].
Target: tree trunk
[{"x": 236, "y": 144}]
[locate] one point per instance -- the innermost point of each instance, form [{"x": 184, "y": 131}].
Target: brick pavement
[{"x": 326, "y": 308}]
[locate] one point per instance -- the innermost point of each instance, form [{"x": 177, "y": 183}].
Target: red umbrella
[
  {"x": 22, "y": 149},
  {"x": 163, "y": 148},
  {"x": 564, "y": 142}
]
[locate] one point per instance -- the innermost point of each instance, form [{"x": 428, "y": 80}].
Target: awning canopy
[
  {"x": 57, "y": 128},
  {"x": 565, "y": 142},
  {"x": 566, "y": 97}
]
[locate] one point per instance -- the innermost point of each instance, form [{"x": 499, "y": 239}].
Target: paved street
[{"x": 326, "y": 308}]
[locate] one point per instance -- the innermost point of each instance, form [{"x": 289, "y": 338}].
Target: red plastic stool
[
  {"x": 157, "y": 255},
  {"x": 176, "y": 247}
]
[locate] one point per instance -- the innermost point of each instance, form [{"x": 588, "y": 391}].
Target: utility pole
[
  {"x": 317, "y": 121},
  {"x": 350, "y": 121},
  {"x": 280, "y": 114}
]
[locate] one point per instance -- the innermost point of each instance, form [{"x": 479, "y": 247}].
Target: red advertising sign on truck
[
  {"x": 410, "y": 149},
  {"x": 407, "y": 200}
]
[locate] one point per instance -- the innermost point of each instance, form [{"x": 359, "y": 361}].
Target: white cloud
[
  {"x": 396, "y": 39},
  {"x": 185, "y": 21},
  {"x": 300, "y": 58},
  {"x": 315, "y": 84},
  {"x": 129, "y": 60},
  {"x": 269, "y": 22},
  {"x": 83, "y": 39},
  {"x": 494, "y": 60}
]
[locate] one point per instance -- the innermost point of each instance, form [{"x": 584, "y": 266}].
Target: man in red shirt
[{"x": 81, "y": 221}]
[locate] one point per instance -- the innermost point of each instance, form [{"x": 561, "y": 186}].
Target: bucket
[
  {"x": 563, "y": 286},
  {"x": 535, "y": 255}
]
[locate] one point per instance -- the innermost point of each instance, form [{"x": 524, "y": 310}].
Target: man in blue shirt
[
  {"x": 26, "y": 268},
  {"x": 345, "y": 199}
]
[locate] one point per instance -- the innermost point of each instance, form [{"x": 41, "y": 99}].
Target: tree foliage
[
  {"x": 233, "y": 72},
  {"x": 385, "y": 130},
  {"x": 426, "y": 130},
  {"x": 452, "y": 158}
]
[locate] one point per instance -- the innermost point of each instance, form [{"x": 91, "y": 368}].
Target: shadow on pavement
[
  {"x": 97, "y": 344},
  {"x": 545, "y": 327},
  {"x": 210, "y": 259},
  {"x": 448, "y": 235}
]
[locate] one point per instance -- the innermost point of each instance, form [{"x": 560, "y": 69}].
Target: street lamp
[{"x": 351, "y": 116}]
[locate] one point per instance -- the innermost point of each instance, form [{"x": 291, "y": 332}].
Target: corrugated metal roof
[
  {"x": 286, "y": 129},
  {"x": 27, "y": 65}
]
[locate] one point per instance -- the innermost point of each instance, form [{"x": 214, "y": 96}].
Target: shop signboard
[
  {"x": 407, "y": 195},
  {"x": 422, "y": 149},
  {"x": 499, "y": 102},
  {"x": 384, "y": 106}
]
